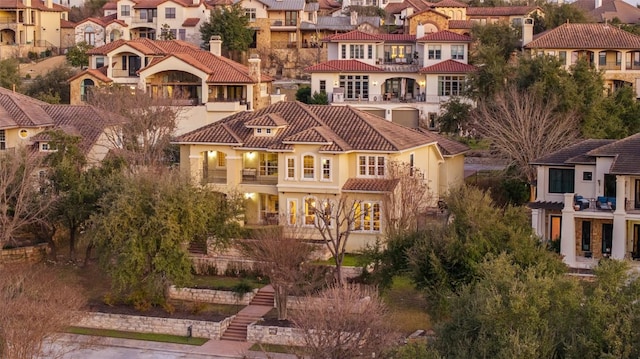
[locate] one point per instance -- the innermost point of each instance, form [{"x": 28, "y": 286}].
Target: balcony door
[{"x": 607, "y": 237}]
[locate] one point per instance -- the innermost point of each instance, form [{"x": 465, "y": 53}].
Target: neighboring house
[
  {"x": 100, "y": 31},
  {"x": 609, "y": 49},
  {"x": 588, "y": 196},
  {"x": 207, "y": 85},
  {"x": 289, "y": 155},
  {"x": 608, "y": 10},
  {"x": 402, "y": 78},
  {"x": 513, "y": 15},
  {"x": 30, "y": 25},
  {"x": 25, "y": 121}
]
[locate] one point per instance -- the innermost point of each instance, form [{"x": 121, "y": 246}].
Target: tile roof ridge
[
  {"x": 235, "y": 136},
  {"x": 368, "y": 123},
  {"x": 23, "y": 109}
]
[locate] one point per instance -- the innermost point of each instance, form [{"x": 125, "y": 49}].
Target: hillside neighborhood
[{"x": 319, "y": 179}]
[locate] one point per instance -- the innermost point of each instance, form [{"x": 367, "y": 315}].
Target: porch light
[
  {"x": 335, "y": 83},
  {"x": 374, "y": 83},
  {"x": 250, "y": 155},
  {"x": 249, "y": 195},
  {"x": 422, "y": 83}
]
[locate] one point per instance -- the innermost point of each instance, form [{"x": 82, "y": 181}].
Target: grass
[
  {"x": 407, "y": 306},
  {"x": 350, "y": 260},
  {"x": 224, "y": 283},
  {"x": 163, "y": 338},
  {"x": 273, "y": 348}
]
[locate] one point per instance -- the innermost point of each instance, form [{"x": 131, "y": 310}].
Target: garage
[
  {"x": 406, "y": 117},
  {"x": 375, "y": 111}
]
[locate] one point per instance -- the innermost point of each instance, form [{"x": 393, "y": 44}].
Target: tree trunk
[
  {"x": 52, "y": 244},
  {"x": 281, "y": 294},
  {"x": 87, "y": 254},
  {"x": 72, "y": 242},
  {"x": 338, "y": 273}
]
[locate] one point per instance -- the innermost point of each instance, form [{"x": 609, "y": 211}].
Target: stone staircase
[
  {"x": 198, "y": 248},
  {"x": 259, "y": 306}
]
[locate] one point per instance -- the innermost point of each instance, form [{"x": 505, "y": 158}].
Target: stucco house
[
  {"x": 287, "y": 156},
  {"x": 608, "y": 10},
  {"x": 207, "y": 85},
  {"x": 588, "y": 197},
  {"x": 609, "y": 49},
  {"x": 402, "y": 78}
]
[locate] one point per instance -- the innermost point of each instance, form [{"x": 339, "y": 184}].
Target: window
[
  {"x": 586, "y": 236},
  {"x": 99, "y": 62},
  {"x": 3, "y": 140},
  {"x": 89, "y": 35},
  {"x": 411, "y": 164},
  {"x": 356, "y": 51},
  {"x": 397, "y": 53},
  {"x": 292, "y": 206},
  {"x": 222, "y": 159},
  {"x": 291, "y": 18},
  {"x": 326, "y": 169},
  {"x": 369, "y": 51},
  {"x": 309, "y": 211},
  {"x": 450, "y": 85},
  {"x": 268, "y": 164},
  {"x": 555, "y": 228},
  {"x": 562, "y": 55},
  {"x": 85, "y": 88},
  {"x": 323, "y": 86},
  {"x": 124, "y": 62},
  {"x": 561, "y": 180},
  {"x": 343, "y": 51},
  {"x": 356, "y": 86},
  {"x": 308, "y": 167},
  {"x": 44, "y": 147},
  {"x": 587, "y": 176},
  {"x": 250, "y": 14},
  {"x": 457, "y": 52},
  {"x": 366, "y": 216},
  {"x": 170, "y": 13},
  {"x": 125, "y": 10},
  {"x": 174, "y": 33},
  {"x": 371, "y": 166},
  {"x": 435, "y": 52},
  {"x": 602, "y": 58},
  {"x": 182, "y": 34},
  {"x": 607, "y": 238},
  {"x": 291, "y": 168}
]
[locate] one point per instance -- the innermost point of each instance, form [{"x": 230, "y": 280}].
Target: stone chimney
[
  {"x": 354, "y": 18},
  {"x": 215, "y": 45},
  {"x": 254, "y": 68},
  {"x": 419, "y": 31},
  {"x": 527, "y": 31}
]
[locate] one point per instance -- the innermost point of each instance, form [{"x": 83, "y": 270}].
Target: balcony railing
[
  {"x": 284, "y": 22},
  {"x": 283, "y": 45},
  {"x": 251, "y": 175},
  {"x": 215, "y": 176},
  {"x": 122, "y": 73},
  {"x": 137, "y": 20}
]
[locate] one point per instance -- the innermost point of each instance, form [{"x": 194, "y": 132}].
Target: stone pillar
[
  {"x": 234, "y": 169},
  {"x": 619, "y": 245},
  {"x": 568, "y": 231},
  {"x": 596, "y": 60}
]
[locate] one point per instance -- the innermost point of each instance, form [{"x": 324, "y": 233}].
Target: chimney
[
  {"x": 215, "y": 45},
  {"x": 354, "y": 18},
  {"x": 26, "y": 3},
  {"x": 254, "y": 68},
  {"x": 598, "y": 3},
  {"x": 50, "y": 4},
  {"x": 527, "y": 31},
  {"x": 196, "y": 2},
  {"x": 419, "y": 31}
]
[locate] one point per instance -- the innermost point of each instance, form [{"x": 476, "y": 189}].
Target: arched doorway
[
  {"x": 7, "y": 37},
  {"x": 85, "y": 88},
  {"x": 400, "y": 88},
  {"x": 179, "y": 85}
]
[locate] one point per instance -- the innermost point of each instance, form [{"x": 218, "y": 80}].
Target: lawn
[
  {"x": 407, "y": 306},
  {"x": 225, "y": 283},
  {"x": 350, "y": 260},
  {"x": 164, "y": 338}
]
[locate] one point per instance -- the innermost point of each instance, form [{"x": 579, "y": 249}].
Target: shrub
[{"x": 240, "y": 289}]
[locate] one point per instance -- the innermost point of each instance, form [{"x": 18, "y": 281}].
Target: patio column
[
  {"x": 568, "y": 232},
  {"x": 535, "y": 222},
  {"x": 596, "y": 59},
  {"x": 623, "y": 61},
  {"x": 619, "y": 245}
]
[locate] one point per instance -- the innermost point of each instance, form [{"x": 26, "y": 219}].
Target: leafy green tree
[
  {"x": 558, "y": 14},
  {"x": 232, "y": 25},
  {"x": 304, "y": 94},
  {"x": 10, "y": 74},
  {"x": 77, "y": 55},
  {"x": 165, "y": 33},
  {"x": 455, "y": 116},
  {"x": 53, "y": 86},
  {"x": 319, "y": 98},
  {"x": 499, "y": 34},
  {"x": 142, "y": 231}
]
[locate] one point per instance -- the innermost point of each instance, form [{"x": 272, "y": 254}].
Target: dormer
[{"x": 267, "y": 126}]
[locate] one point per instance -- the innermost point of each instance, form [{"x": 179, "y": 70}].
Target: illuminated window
[
  {"x": 366, "y": 216},
  {"x": 292, "y": 206},
  {"x": 371, "y": 166},
  {"x": 309, "y": 211},
  {"x": 326, "y": 169},
  {"x": 308, "y": 167},
  {"x": 291, "y": 168},
  {"x": 222, "y": 159}
]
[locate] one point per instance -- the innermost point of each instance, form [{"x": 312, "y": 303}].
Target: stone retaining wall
[
  {"x": 275, "y": 335},
  {"x": 210, "y": 296},
  {"x": 218, "y": 265},
  {"x": 140, "y": 324},
  {"x": 24, "y": 254}
]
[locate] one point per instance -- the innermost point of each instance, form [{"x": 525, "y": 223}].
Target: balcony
[
  {"x": 123, "y": 73},
  {"x": 284, "y": 24},
  {"x": 252, "y": 176},
  {"x": 226, "y": 105},
  {"x": 150, "y": 21},
  {"x": 283, "y": 45},
  {"x": 215, "y": 176}
]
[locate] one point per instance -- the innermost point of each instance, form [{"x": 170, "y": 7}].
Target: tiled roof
[
  {"x": 420, "y": 5},
  {"x": 11, "y": 4},
  {"x": 146, "y": 46},
  {"x": 450, "y": 3},
  {"x": 328, "y": 4},
  {"x": 397, "y": 37},
  {"x": 610, "y": 9},
  {"x": 447, "y": 146},
  {"x": 355, "y": 35},
  {"x": 152, "y": 4},
  {"x": 311, "y": 7},
  {"x": 268, "y": 120},
  {"x": 103, "y": 21},
  {"x": 110, "y": 5},
  {"x": 396, "y": 7},
  {"x": 585, "y": 36},
  {"x": 191, "y": 22},
  {"x": 42, "y": 6},
  {"x": 445, "y": 36},
  {"x": 460, "y": 24},
  {"x": 500, "y": 10},
  {"x": 339, "y": 23},
  {"x": 370, "y": 185},
  {"x": 284, "y": 4},
  {"x": 571, "y": 154},
  {"x": 430, "y": 10},
  {"x": 100, "y": 74},
  {"x": 311, "y": 135},
  {"x": 626, "y": 153},
  {"x": 349, "y": 129},
  {"x": 67, "y": 24},
  {"x": 343, "y": 66},
  {"x": 17, "y": 110},
  {"x": 448, "y": 67}
]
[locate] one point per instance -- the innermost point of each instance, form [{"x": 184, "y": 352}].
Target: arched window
[
  {"x": 90, "y": 35},
  {"x": 114, "y": 35},
  {"x": 85, "y": 88},
  {"x": 308, "y": 167}
]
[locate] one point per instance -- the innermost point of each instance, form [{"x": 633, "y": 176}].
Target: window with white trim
[
  {"x": 366, "y": 216},
  {"x": 3, "y": 140},
  {"x": 290, "y": 172},
  {"x": 371, "y": 166},
  {"x": 457, "y": 52},
  {"x": 125, "y": 10},
  {"x": 451, "y": 85},
  {"x": 356, "y": 51},
  {"x": 44, "y": 146},
  {"x": 343, "y": 51},
  {"x": 435, "y": 52},
  {"x": 326, "y": 169},
  {"x": 170, "y": 13},
  {"x": 309, "y": 211},
  {"x": 308, "y": 167},
  {"x": 250, "y": 14},
  {"x": 292, "y": 211}
]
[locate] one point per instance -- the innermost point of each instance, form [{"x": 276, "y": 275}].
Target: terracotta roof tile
[
  {"x": 11, "y": 4},
  {"x": 430, "y": 10},
  {"x": 396, "y": 7},
  {"x": 448, "y": 67},
  {"x": 370, "y": 185},
  {"x": 269, "y": 120},
  {"x": 585, "y": 36},
  {"x": 450, "y": 3},
  {"x": 355, "y": 35},
  {"x": 110, "y": 5},
  {"x": 17, "y": 110},
  {"x": 460, "y": 24},
  {"x": 570, "y": 154},
  {"x": 500, "y": 10},
  {"x": 447, "y": 146},
  {"x": 41, "y": 5},
  {"x": 100, "y": 74},
  {"x": 610, "y": 9},
  {"x": 445, "y": 36},
  {"x": 329, "y": 4},
  {"x": 191, "y": 22},
  {"x": 311, "y": 135},
  {"x": 67, "y": 24},
  {"x": 397, "y": 37},
  {"x": 343, "y": 66}
]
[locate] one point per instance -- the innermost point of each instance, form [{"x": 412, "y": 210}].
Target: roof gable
[
  {"x": 585, "y": 36},
  {"x": 445, "y": 36},
  {"x": 448, "y": 67}
]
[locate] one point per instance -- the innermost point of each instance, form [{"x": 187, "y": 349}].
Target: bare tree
[
  {"x": 524, "y": 126},
  {"x": 347, "y": 321},
  {"x": 24, "y": 200},
  {"x": 407, "y": 198},
  {"x": 35, "y": 304},
  {"x": 282, "y": 257},
  {"x": 148, "y": 123}
]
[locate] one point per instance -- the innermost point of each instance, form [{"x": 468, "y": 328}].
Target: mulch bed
[{"x": 182, "y": 311}]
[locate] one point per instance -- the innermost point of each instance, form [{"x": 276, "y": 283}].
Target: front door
[
  {"x": 607, "y": 238},
  {"x": 134, "y": 65},
  {"x": 636, "y": 241}
]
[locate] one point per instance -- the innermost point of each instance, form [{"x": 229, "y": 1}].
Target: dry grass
[{"x": 407, "y": 306}]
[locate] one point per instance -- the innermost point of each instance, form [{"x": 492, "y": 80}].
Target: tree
[
  {"x": 347, "y": 321},
  {"x": 53, "y": 86},
  {"x": 408, "y": 199},
  {"x": 165, "y": 33},
  {"x": 142, "y": 231},
  {"x": 523, "y": 128},
  {"x": 148, "y": 124},
  {"x": 304, "y": 94},
  {"x": 35, "y": 304},
  {"x": 282, "y": 258},
  {"x": 232, "y": 25},
  {"x": 90, "y": 8},
  {"x": 10, "y": 74},
  {"x": 556, "y": 15},
  {"x": 77, "y": 55},
  {"x": 319, "y": 98},
  {"x": 24, "y": 199},
  {"x": 455, "y": 116}
]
